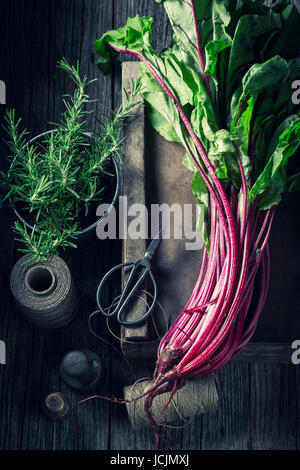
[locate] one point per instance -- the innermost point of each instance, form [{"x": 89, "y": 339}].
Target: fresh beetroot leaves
[{"x": 223, "y": 90}]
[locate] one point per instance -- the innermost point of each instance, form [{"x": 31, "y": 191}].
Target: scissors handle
[
  {"x": 100, "y": 288},
  {"x": 128, "y": 292}
]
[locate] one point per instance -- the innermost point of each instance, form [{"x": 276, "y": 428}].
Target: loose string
[
  {"x": 100, "y": 338},
  {"x": 137, "y": 381},
  {"x": 159, "y": 337},
  {"x": 104, "y": 340}
]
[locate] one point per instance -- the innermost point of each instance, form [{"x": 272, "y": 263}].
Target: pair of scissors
[{"x": 132, "y": 285}]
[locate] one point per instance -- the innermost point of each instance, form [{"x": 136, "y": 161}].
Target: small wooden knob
[
  {"x": 82, "y": 370},
  {"x": 75, "y": 364}
]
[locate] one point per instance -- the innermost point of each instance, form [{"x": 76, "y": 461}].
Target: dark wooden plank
[
  {"x": 280, "y": 317},
  {"x": 273, "y": 353},
  {"x": 122, "y": 436},
  {"x": 134, "y": 192},
  {"x": 46, "y": 31},
  {"x": 177, "y": 263},
  {"x": 167, "y": 185},
  {"x": 228, "y": 427},
  {"x": 273, "y": 406}
]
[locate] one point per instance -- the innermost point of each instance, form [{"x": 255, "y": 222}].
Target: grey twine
[
  {"x": 195, "y": 397},
  {"x": 50, "y": 308}
]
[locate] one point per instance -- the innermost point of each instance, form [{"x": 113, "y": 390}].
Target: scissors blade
[{"x": 155, "y": 243}]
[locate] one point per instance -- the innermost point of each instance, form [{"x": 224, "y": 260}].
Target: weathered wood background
[{"x": 259, "y": 402}]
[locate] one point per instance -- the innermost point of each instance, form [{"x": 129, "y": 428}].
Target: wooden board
[
  {"x": 134, "y": 190},
  {"x": 167, "y": 183}
]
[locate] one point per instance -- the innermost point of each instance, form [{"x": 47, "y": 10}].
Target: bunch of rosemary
[{"x": 56, "y": 179}]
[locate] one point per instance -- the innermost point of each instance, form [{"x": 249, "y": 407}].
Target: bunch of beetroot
[{"x": 223, "y": 89}]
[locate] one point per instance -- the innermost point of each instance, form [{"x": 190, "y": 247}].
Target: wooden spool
[{"x": 194, "y": 398}]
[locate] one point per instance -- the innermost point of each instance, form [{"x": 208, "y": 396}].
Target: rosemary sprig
[{"x": 56, "y": 180}]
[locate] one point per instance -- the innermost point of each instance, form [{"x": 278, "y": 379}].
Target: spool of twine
[
  {"x": 44, "y": 293},
  {"x": 194, "y": 398}
]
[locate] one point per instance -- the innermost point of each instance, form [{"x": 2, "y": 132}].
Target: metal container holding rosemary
[{"x": 56, "y": 179}]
